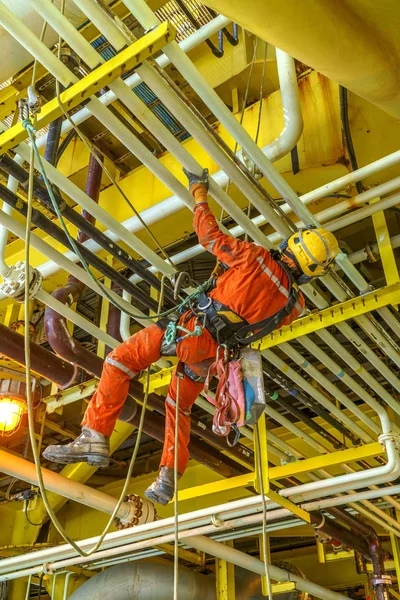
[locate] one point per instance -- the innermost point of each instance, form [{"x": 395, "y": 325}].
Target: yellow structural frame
[
  {"x": 301, "y": 466},
  {"x": 97, "y": 79},
  {"x": 328, "y": 317}
]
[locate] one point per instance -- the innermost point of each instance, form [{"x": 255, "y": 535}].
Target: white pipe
[
  {"x": 330, "y": 364},
  {"x": 255, "y": 565},
  {"x": 362, "y": 213},
  {"x": 355, "y": 365},
  {"x": 196, "y": 128},
  {"x": 340, "y": 207},
  {"x": 230, "y": 510},
  {"x": 192, "y": 41},
  {"x": 139, "y": 108},
  {"x": 313, "y": 392},
  {"x": 343, "y": 182},
  {"x": 73, "y": 490},
  {"x": 65, "y": 76},
  {"x": 292, "y": 116},
  {"x": 12, "y": 185},
  {"x": 328, "y": 386},
  {"x": 18, "y": 229},
  {"x": 148, "y": 20}
]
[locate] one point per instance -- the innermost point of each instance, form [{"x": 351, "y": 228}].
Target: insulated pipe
[
  {"x": 292, "y": 116},
  {"x": 45, "y": 363},
  {"x": 146, "y": 579},
  {"x": 73, "y": 490},
  {"x": 125, "y": 94}
]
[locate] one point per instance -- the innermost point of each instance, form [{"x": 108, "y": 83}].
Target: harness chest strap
[{"x": 227, "y": 327}]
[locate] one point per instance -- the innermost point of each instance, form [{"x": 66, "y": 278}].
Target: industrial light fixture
[{"x": 12, "y": 405}]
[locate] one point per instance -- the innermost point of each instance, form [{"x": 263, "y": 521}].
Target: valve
[{"x": 13, "y": 284}]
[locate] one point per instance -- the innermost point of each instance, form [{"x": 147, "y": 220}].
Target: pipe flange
[
  {"x": 384, "y": 438},
  {"x": 381, "y": 580},
  {"x": 251, "y": 165},
  {"x": 13, "y": 284},
  {"x": 322, "y": 538},
  {"x": 142, "y": 511}
]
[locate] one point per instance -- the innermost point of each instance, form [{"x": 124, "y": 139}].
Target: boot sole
[
  {"x": 152, "y": 496},
  {"x": 93, "y": 460}
]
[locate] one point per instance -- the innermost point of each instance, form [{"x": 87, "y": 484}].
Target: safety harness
[{"x": 231, "y": 330}]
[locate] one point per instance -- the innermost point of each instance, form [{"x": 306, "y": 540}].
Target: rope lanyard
[{"x": 176, "y": 478}]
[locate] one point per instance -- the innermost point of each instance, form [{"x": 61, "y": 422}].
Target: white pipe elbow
[{"x": 292, "y": 115}]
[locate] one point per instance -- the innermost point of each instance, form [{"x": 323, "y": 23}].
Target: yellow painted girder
[
  {"x": 331, "y": 316},
  {"x": 291, "y": 469},
  {"x": 93, "y": 82},
  {"x": 320, "y": 320}
]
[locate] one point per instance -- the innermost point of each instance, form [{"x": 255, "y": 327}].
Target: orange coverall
[{"x": 255, "y": 287}]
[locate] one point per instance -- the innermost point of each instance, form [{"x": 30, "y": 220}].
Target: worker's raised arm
[{"x": 226, "y": 248}]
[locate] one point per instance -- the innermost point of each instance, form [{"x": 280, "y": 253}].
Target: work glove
[{"x": 200, "y": 179}]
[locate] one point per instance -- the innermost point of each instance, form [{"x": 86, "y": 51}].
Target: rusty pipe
[
  {"x": 92, "y": 189},
  {"x": 379, "y": 580},
  {"x": 44, "y": 362},
  {"x": 336, "y": 531}
]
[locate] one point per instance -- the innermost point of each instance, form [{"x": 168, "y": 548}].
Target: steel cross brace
[
  {"x": 338, "y": 313},
  {"x": 99, "y": 78}
]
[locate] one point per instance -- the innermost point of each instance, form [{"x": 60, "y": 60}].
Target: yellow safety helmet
[{"x": 312, "y": 249}]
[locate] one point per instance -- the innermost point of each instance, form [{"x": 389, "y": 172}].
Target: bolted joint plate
[
  {"x": 13, "y": 284},
  {"x": 140, "y": 511}
]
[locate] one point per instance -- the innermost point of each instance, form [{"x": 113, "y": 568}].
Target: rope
[
  {"x": 176, "y": 532},
  {"x": 31, "y": 130},
  {"x": 264, "y": 504},
  {"x": 30, "y": 127}
]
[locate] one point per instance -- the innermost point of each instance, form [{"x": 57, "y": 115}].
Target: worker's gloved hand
[{"x": 197, "y": 179}]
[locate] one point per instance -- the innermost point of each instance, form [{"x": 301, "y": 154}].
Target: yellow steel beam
[
  {"x": 283, "y": 588},
  {"x": 225, "y": 578},
  {"x": 93, "y": 82},
  {"x": 295, "y": 468},
  {"x": 385, "y": 246},
  {"x": 294, "y": 508},
  {"x": 55, "y": 402},
  {"x": 331, "y": 316},
  {"x": 217, "y": 486},
  {"x": 319, "y": 320},
  {"x": 326, "y": 460}
]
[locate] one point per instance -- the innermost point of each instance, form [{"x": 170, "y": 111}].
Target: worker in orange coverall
[{"x": 254, "y": 286}]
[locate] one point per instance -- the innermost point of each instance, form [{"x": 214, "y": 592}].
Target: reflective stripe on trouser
[
  {"x": 136, "y": 354},
  {"x": 189, "y": 390}
]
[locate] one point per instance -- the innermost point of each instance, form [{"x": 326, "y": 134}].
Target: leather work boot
[
  {"x": 91, "y": 447},
  {"x": 161, "y": 490}
]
